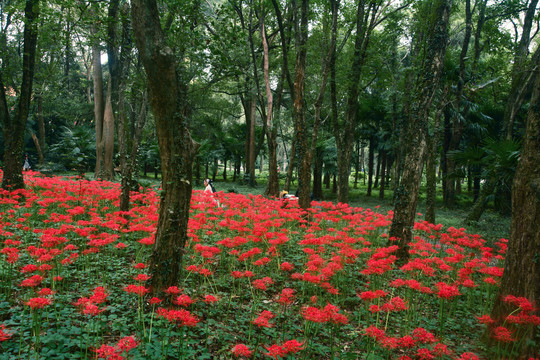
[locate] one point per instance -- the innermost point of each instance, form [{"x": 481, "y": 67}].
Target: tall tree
[
  {"x": 521, "y": 275},
  {"x": 437, "y": 15},
  {"x": 272, "y": 188},
  {"x": 168, "y": 85},
  {"x": 13, "y": 127},
  {"x": 521, "y": 70},
  {"x": 300, "y": 128}
]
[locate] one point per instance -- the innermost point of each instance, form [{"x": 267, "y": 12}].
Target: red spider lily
[
  {"x": 136, "y": 289},
  {"x": 286, "y": 296},
  {"x": 108, "y": 352},
  {"x": 328, "y": 314},
  {"x": 30, "y": 268},
  {"x": 45, "y": 292},
  {"x": 468, "y": 356},
  {"x": 183, "y": 316},
  {"x": 140, "y": 266},
  {"x": 142, "y": 277},
  {"x": 33, "y": 281},
  {"x": 262, "y": 284},
  {"x": 523, "y": 303},
  {"x": 503, "y": 334},
  {"x": 263, "y": 318},
  {"x": 371, "y": 295},
  {"x": 173, "y": 290},
  {"x": 485, "y": 319},
  {"x": 3, "y": 334},
  {"x": 38, "y": 302},
  {"x": 289, "y": 347},
  {"x": 127, "y": 343},
  {"x": 154, "y": 301},
  {"x": 423, "y": 336},
  {"x": 209, "y": 299},
  {"x": 375, "y": 332},
  {"x": 183, "y": 300},
  {"x": 241, "y": 350},
  {"x": 424, "y": 354},
  {"x": 447, "y": 291}
]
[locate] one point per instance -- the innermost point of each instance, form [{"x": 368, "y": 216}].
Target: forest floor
[{"x": 258, "y": 280}]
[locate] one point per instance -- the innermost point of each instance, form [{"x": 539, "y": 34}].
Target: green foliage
[{"x": 76, "y": 148}]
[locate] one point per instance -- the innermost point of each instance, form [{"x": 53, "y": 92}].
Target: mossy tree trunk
[{"x": 170, "y": 106}]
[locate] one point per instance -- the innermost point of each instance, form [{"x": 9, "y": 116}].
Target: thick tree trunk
[
  {"x": 406, "y": 197},
  {"x": 168, "y": 99},
  {"x": 521, "y": 275},
  {"x": 14, "y": 128}
]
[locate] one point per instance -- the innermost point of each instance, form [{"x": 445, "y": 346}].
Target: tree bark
[
  {"x": 107, "y": 171},
  {"x": 14, "y": 128},
  {"x": 521, "y": 275},
  {"x": 272, "y": 188},
  {"x": 168, "y": 99},
  {"x": 406, "y": 197},
  {"x": 304, "y": 168},
  {"x": 99, "y": 104},
  {"x": 383, "y": 155}
]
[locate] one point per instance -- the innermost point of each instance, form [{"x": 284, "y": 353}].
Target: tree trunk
[
  {"x": 168, "y": 99},
  {"x": 406, "y": 197},
  {"x": 317, "y": 175},
  {"x": 371, "y": 165},
  {"x": 480, "y": 205},
  {"x": 251, "y": 147},
  {"x": 107, "y": 171},
  {"x": 300, "y": 128},
  {"x": 431, "y": 164},
  {"x": 99, "y": 105},
  {"x": 41, "y": 125},
  {"x": 521, "y": 275},
  {"x": 14, "y": 128},
  {"x": 521, "y": 74},
  {"x": 383, "y": 155},
  {"x": 377, "y": 170},
  {"x": 272, "y": 188}
]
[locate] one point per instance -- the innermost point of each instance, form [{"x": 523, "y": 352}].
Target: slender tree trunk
[
  {"x": 14, "y": 128},
  {"x": 99, "y": 105},
  {"x": 300, "y": 126},
  {"x": 251, "y": 154},
  {"x": 521, "y": 277},
  {"x": 431, "y": 163},
  {"x": 425, "y": 89},
  {"x": 371, "y": 165},
  {"x": 107, "y": 171},
  {"x": 41, "y": 126},
  {"x": 521, "y": 75},
  {"x": 317, "y": 175},
  {"x": 168, "y": 99},
  {"x": 378, "y": 170},
  {"x": 272, "y": 188},
  {"x": 383, "y": 155}
]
